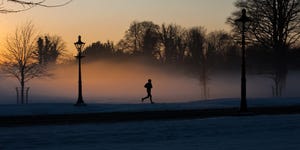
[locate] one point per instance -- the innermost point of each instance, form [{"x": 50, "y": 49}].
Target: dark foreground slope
[{"x": 105, "y": 117}]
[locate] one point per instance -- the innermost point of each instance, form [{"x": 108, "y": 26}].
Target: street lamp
[
  {"x": 243, "y": 23},
  {"x": 79, "y": 45}
]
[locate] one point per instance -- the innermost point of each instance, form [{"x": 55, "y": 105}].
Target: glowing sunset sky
[{"x": 108, "y": 19}]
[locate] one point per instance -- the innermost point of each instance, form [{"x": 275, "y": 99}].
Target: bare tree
[
  {"x": 220, "y": 43},
  {"x": 275, "y": 23},
  {"x": 20, "y": 61},
  {"x": 150, "y": 44},
  {"x": 133, "y": 40},
  {"x": 196, "y": 41},
  {"x": 13, "y": 6},
  {"x": 173, "y": 39}
]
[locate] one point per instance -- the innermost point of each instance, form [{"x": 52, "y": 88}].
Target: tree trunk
[
  {"x": 22, "y": 82},
  {"x": 275, "y": 25}
]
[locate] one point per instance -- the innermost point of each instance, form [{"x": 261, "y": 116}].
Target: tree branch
[{"x": 26, "y": 5}]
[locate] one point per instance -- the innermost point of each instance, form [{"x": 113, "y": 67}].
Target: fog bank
[{"x": 108, "y": 82}]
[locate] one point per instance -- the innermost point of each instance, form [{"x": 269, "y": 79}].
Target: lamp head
[
  {"x": 79, "y": 44},
  {"x": 243, "y": 21}
]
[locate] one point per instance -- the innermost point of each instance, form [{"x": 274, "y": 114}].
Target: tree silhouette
[
  {"x": 221, "y": 46},
  {"x": 97, "y": 51},
  {"x": 172, "y": 39},
  {"x": 20, "y": 61},
  {"x": 196, "y": 41},
  {"x": 134, "y": 37},
  {"x": 275, "y": 23},
  {"x": 49, "y": 49},
  {"x": 150, "y": 43},
  {"x": 13, "y": 6}
]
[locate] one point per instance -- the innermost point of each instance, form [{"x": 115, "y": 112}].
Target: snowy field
[
  {"x": 68, "y": 108},
  {"x": 281, "y": 132},
  {"x": 228, "y": 133}
]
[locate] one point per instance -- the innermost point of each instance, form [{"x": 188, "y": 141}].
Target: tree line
[
  {"x": 173, "y": 44},
  {"x": 272, "y": 40},
  {"x": 166, "y": 44}
]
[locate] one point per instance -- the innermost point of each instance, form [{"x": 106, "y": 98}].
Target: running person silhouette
[{"x": 148, "y": 86}]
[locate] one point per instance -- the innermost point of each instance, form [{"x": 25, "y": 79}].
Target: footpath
[{"x": 121, "y": 116}]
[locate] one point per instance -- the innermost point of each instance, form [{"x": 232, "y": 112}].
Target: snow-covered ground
[
  {"x": 68, "y": 108},
  {"x": 281, "y": 132},
  {"x": 228, "y": 133}
]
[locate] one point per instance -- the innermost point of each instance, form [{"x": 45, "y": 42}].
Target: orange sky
[{"x": 108, "y": 19}]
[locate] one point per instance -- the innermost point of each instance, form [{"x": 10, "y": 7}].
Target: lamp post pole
[
  {"x": 243, "y": 106},
  {"x": 79, "y": 45},
  {"x": 243, "y": 20}
]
